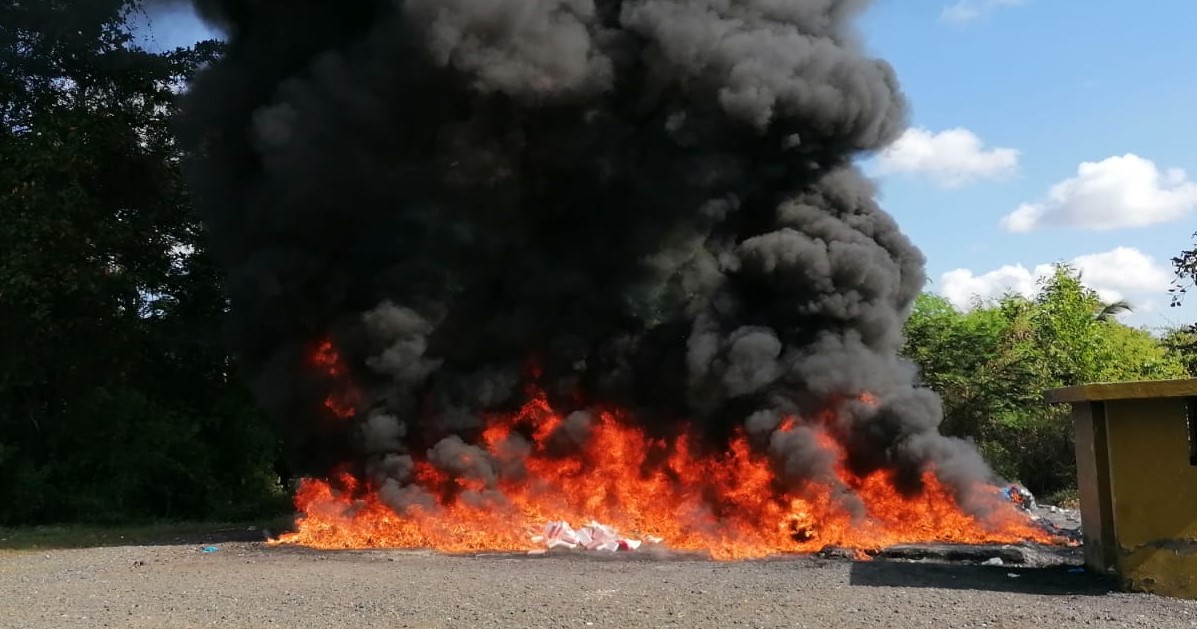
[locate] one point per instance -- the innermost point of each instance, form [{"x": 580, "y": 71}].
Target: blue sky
[{"x": 1041, "y": 130}]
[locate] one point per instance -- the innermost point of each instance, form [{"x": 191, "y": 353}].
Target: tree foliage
[
  {"x": 1185, "y": 266},
  {"x": 993, "y": 363},
  {"x": 115, "y": 396}
]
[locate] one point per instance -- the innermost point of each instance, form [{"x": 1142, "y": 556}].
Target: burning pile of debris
[
  {"x": 1020, "y": 496},
  {"x": 1062, "y": 524},
  {"x": 595, "y": 536},
  {"x": 493, "y": 262}
]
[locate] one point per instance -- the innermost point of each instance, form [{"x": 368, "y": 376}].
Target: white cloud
[
  {"x": 961, "y": 286},
  {"x": 965, "y": 11},
  {"x": 1122, "y": 273},
  {"x": 951, "y": 158},
  {"x": 1120, "y": 191}
]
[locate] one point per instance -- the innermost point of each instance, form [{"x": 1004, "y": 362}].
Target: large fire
[{"x": 729, "y": 504}]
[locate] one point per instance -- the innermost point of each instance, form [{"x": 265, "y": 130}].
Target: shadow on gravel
[
  {"x": 1056, "y": 580},
  {"x": 164, "y": 534}
]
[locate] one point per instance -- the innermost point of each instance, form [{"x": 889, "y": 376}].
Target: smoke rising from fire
[{"x": 641, "y": 203}]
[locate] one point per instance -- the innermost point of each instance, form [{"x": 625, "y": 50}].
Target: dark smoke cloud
[{"x": 654, "y": 200}]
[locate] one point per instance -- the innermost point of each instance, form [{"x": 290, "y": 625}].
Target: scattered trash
[
  {"x": 209, "y": 549},
  {"x": 993, "y": 561},
  {"x": 593, "y": 536},
  {"x": 1076, "y": 570},
  {"x": 1073, "y": 535},
  {"x": 1013, "y": 575},
  {"x": 1020, "y": 496},
  {"x": 139, "y": 563}
]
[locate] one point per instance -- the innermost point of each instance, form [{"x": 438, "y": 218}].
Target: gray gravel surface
[{"x": 247, "y": 584}]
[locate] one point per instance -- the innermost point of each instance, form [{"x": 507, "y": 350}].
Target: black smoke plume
[{"x": 653, "y": 201}]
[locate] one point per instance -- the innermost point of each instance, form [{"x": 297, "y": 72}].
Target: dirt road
[{"x": 253, "y": 585}]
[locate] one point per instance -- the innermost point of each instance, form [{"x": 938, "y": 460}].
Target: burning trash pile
[
  {"x": 497, "y": 265},
  {"x": 1023, "y": 498},
  {"x": 1020, "y": 496},
  {"x": 674, "y": 495}
]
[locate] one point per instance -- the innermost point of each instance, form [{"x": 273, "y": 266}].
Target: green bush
[{"x": 992, "y": 364}]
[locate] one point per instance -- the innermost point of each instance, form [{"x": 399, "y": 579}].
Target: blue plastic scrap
[{"x": 209, "y": 549}]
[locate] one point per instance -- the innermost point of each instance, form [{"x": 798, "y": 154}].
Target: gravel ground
[{"x": 249, "y": 584}]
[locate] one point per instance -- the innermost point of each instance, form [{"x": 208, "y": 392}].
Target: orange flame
[
  {"x": 343, "y": 399},
  {"x": 728, "y": 504}
]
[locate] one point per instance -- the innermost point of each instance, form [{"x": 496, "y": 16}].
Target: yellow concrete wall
[{"x": 1154, "y": 495}]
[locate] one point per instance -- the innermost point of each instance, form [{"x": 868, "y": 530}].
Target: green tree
[
  {"x": 115, "y": 400},
  {"x": 992, "y": 364},
  {"x": 1185, "y": 267},
  {"x": 1183, "y": 342}
]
